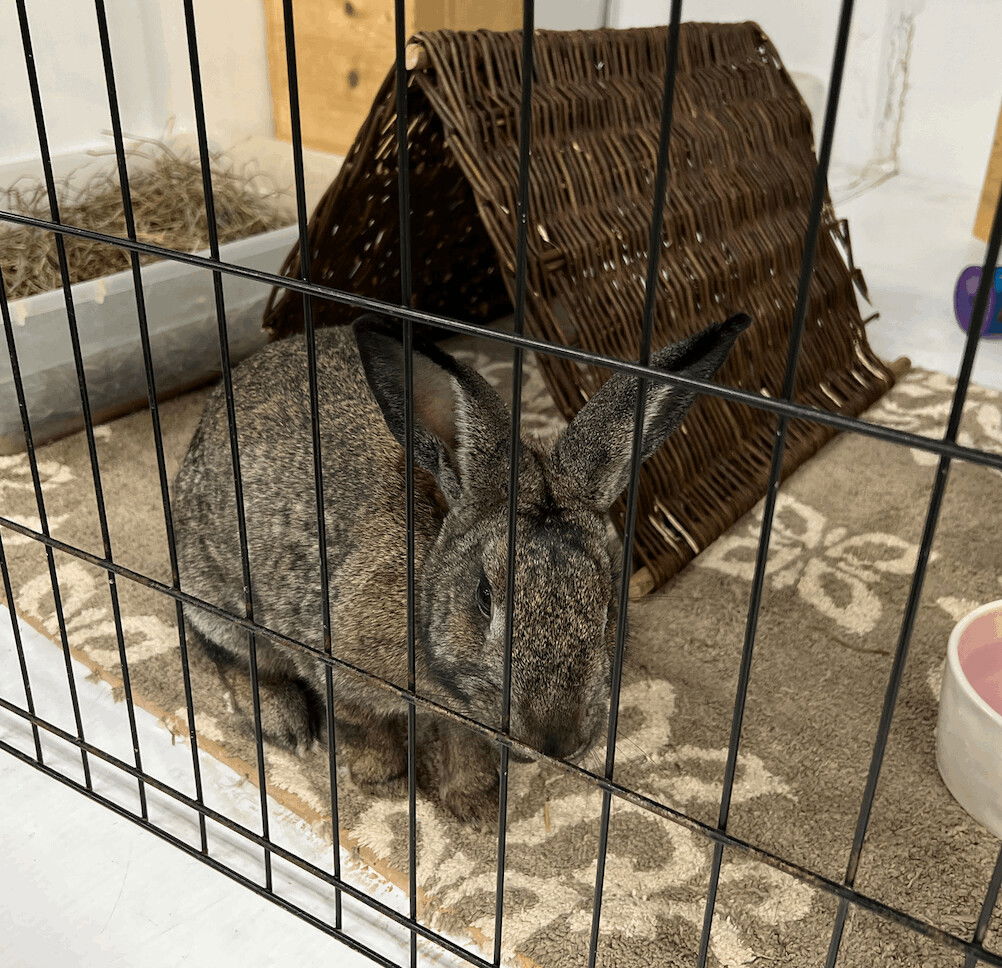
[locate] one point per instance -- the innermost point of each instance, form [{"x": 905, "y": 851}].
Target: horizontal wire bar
[
  {"x": 206, "y": 859},
  {"x": 803, "y": 874},
  {"x": 946, "y": 448},
  {"x": 247, "y": 625},
  {"x": 371, "y": 678},
  {"x": 801, "y": 411},
  {"x": 236, "y": 827}
]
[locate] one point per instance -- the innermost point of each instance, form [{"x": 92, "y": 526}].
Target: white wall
[
  {"x": 151, "y": 67},
  {"x": 800, "y": 27},
  {"x": 570, "y": 14},
  {"x": 64, "y": 35},
  {"x": 922, "y": 83},
  {"x": 232, "y": 47},
  {"x": 804, "y": 33},
  {"x": 954, "y": 90},
  {"x": 921, "y": 91}
]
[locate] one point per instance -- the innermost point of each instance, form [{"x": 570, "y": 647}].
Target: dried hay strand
[{"x": 166, "y": 188}]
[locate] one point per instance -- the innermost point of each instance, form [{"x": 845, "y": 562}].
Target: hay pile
[{"x": 169, "y": 209}]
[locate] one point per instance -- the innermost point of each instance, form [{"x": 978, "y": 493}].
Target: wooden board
[
  {"x": 992, "y": 186},
  {"x": 344, "y": 50},
  {"x": 466, "y": 14}
]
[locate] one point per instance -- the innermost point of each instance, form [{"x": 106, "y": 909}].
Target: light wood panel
[
  {"x": 992, "y": 186},
  {"x": 467, "y": 14},
  {"x": 344, "y": 49}
]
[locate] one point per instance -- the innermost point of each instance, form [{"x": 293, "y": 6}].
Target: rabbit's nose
[{"x": 559, "y": 743}]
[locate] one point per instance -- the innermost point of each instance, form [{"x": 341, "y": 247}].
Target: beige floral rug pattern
[{"x": 844, "y": 546}]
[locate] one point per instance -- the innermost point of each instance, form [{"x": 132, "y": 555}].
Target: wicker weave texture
[{"x": 741, "y": 170}]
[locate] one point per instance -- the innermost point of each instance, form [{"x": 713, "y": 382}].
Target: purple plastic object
[{"x": 963, "y": 302}]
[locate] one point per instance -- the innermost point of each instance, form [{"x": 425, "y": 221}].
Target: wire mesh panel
[
  {"x": 733, "y": 229},
  {"x": 314, "y": 299}
]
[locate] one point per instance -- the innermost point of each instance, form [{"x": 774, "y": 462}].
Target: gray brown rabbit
[{"x": 567, "y": 557}]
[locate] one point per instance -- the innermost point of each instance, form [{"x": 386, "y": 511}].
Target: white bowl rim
[{"x": 953, "y": 658}]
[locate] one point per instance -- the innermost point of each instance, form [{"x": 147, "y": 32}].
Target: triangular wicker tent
[{"x": 741, "y": 169}]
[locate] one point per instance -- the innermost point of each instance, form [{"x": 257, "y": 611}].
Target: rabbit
[{"x": 567, "y": 558}]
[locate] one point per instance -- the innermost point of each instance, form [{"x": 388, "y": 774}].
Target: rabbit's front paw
[
  {"x": 381, "y": 762},
  {"x": 288, "y": 716},
  {"x": 476, "y": 805},
  {"x": 468, "y": 785},
  {"x": 375, "y": 770}
]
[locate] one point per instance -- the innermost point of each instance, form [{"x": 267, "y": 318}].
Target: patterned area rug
[{"x": 845, "y": 542}]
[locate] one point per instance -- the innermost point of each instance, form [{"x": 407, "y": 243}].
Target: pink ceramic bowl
[{"x": 969, "y": 732}]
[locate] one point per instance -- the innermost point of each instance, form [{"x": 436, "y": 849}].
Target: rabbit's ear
[
  {"x": 592, "y": 456},
  {"x": 460, "y": 422}
]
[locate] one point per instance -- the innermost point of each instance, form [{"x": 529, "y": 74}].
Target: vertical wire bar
[
  {"x": 43, "y": 520},
  {"x": 918, "y": 579},
  {"x": 987, "y": 909},
  {"x": 515, "y": 448},
  {"x": 406, "y": 297},
  {"x": 654, "y": 248},
  {"x": 64, "y": 273},
  {"x": 151, "y": 391},
  {"x": 231, "y": 416},
  {"x": 778, "y": 452},
  {"x": 8, "y": 592},
  {"x": 292, "y": 71}
]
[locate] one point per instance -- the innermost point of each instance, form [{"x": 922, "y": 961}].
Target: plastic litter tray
[{"x": 181, "y": 312}]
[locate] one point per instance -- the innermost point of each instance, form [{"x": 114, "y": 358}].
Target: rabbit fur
[{"x": 567, "y": 555}]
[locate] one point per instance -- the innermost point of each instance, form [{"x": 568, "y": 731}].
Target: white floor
[
  {"x": 80, "y": 886},
  {"x": 912, "y": 240}
]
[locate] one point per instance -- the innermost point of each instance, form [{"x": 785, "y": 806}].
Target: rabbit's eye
[{"x": 484, "y": 596}]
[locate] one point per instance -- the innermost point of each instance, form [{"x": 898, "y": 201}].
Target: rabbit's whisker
[{"x": 647, "y": 756}]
